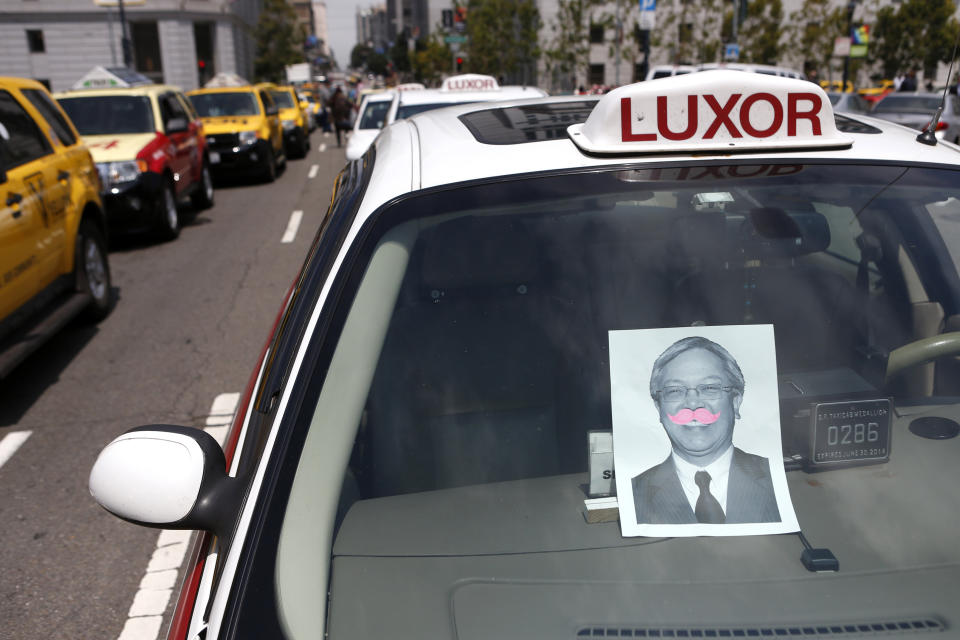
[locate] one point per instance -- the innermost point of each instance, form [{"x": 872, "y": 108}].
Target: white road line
[
  {"x": 323, "y": 147},
  {"x": 313, "y": 171},
  {"x": 10, "y": 443},
  {"x": 149, "y": 603},
  {"x": 292, "y": 227}
]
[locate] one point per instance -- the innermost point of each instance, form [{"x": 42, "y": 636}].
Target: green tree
[
  {"x": 915, "y": 34},
  {"x": 359, "y": 56},
  {"x": 568, "y": 50},
  {"x": 813, "y": 29},
  {"x": 400, "y": 56},
  {"x": 691, "y": 30},
  {"x": 761, "y": 33},
  {"x": 279, "y": 41},
  {"x": 432, "y": 59},
  {"x": 501, "y": 36}
]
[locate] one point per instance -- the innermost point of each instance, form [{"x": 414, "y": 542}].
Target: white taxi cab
[
  {"x": 414, "y": 456},
  {"x": 409, "y": 100}
]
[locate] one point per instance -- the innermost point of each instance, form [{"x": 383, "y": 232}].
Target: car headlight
[
  {"x": 289, "y": 124},
  {"x": 248, "y": 137},
  {"x": 117, "y": 173}
]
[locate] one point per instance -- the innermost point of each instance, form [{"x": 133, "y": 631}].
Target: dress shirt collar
[{"x": 719, "y": 471}]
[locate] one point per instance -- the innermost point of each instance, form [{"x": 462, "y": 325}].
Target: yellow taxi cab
[
  {"x": 150, "y": 150},
  {"x": 53, "y": 255},
  {"x": 294, "y": 120},
  {"x": 243, "y": 131}
]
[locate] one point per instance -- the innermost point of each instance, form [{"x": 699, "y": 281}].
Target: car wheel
[
  {"x": 202, "y": 197},
  {"x": 305, "y": 145},
  {"x": 270, "y": 167},
  {"x": 169, "y": 222},
  {"x": 93, "y": 270}
]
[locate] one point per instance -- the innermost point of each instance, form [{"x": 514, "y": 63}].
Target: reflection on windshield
[
  {"x": 99, "y": 115},
  {"x": 214, "y": 105}
]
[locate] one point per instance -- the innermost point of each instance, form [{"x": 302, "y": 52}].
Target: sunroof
[{"x": 526, "y": 123}]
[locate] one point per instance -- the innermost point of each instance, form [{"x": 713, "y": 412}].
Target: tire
[
  {"x": 270, "y": 169},
  {"x": 93, "y": 271},
  {"x": 168, "y": 224},
  {"x": 202, "y": 196},
  {"x": 305, "y": 145}
]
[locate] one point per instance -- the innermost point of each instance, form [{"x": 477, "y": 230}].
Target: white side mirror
[{"x": 165, "y": 476}]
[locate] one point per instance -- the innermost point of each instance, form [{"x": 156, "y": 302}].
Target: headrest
[
  {"x": 773, "y": 232},
  {"x": 479, "y": 252}
]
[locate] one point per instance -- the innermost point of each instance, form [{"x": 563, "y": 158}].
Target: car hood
[{"x": 116, "y": 148}]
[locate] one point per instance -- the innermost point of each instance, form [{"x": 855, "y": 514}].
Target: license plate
[
  {"x": 214, "y": 157},
  {"x": 850, "y": 433}
]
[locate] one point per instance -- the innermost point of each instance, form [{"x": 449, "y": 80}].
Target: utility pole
[
  {"x": 124, "y": 37},
  {"x": 851, "y": 5}
]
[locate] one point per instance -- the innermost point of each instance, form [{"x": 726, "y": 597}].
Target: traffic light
[{"x": 459, "y": 63}]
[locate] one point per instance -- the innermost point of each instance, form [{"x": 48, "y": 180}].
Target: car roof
[
  {"x": 141, "y": 90},
  {"x": 20, "y": 83},
  {"x": 438, "y": 96},
  {"x": 429, "y": 144}
]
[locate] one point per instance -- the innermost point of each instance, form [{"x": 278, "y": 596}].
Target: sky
[{"x": 342, "y": 26}]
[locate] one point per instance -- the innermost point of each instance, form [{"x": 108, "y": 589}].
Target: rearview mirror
[{"x": 168, "y": 477}]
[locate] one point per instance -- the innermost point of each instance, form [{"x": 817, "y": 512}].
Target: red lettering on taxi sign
[{"x": 712, "y": 110}]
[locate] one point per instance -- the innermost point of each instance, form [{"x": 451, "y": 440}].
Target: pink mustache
[{"x": 701, "y": 415}]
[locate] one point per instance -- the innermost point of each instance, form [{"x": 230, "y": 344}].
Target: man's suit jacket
[{"x": 659, "y": 498}]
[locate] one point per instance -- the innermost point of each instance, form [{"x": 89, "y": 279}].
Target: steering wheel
[{"x": 922, "y": 351}]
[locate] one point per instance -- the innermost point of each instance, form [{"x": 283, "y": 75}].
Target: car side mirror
[
  {"x": 167, "y": 477},
  {"x": 177, "y": 125}
]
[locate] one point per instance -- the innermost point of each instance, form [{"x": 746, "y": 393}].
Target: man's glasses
[{"x": 675, "y": 393}]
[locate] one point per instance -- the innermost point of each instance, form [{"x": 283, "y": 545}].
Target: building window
[
  {"x": 146, "y": 50},
  {"x": 596, "y": 74},
  {"x": 596, "y": 33},
  {"x": 203, "y": 39},
  {"x": 35, "y": 42}
]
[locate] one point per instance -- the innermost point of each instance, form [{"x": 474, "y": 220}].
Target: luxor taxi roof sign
[
  {"x": 470, "y": 82},
  {"x": 710, "y": 111}
]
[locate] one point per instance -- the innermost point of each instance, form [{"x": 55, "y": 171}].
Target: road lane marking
[
  {"x": 156, "y": 588},
  {"x": 10, "y": 443},
  {"x": 313, "y": 171},
  {"x": 292, "y": 227},
  {"x": 323, "y": 147}
]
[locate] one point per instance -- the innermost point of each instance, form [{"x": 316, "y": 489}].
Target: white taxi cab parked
[
  {"x": 408, "y": 100},
  {"x": 411, "y": 458},
  {"x": 371, "y": 118}
]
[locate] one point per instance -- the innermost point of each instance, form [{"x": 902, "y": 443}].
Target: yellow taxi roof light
[{"x": 710, "y": 111}]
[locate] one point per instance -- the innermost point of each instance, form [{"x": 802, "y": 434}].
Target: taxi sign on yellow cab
[
  {"x": 710, "y": 111},
  {"x": 470, "y": 82}
]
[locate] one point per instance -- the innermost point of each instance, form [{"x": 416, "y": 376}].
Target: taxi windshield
[
  {"x": 233, "y": 103},
  {"x": 917, "y": 104},
  {"x": 101, "y": 115},
  {"x": 283, "y": 99},
  {"x": 374, "y": 115},
  {"x": 474, "y": 365}
]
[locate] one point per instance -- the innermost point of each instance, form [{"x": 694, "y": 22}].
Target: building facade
[{"x": 179, "y": 42}]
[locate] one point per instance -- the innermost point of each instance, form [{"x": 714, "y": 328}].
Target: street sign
[
  {"x": 731, "y": 52},
  {"x": 841, "y": 47},
  {"x": 647, "y": 20},
  {"x": 454, "y": 39},
  {"x": 648, "y": 5}
]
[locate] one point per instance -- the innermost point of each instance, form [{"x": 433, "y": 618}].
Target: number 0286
[{"x": 851, "y": 432}]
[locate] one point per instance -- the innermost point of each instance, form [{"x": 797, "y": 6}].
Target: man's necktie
[{"x": 708, "y": 509}]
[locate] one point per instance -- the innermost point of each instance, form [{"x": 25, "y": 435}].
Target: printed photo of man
[{"x": 698, "y": 387}]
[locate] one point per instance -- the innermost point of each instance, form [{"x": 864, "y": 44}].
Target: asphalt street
[{"x": 190, "y": 319}]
